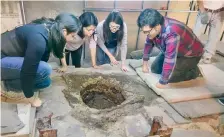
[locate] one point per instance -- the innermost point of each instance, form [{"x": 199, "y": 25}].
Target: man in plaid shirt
[{"x": 180, "y": 48}]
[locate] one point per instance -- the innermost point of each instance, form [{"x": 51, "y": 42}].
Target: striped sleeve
[
  {"x": 172, "y": 43},
  {"x": 147, "y": 49}
]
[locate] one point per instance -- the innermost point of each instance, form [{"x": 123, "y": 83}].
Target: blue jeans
[
  {"x": 10, "y": 74},
  {"x": 102, "y": 57}
]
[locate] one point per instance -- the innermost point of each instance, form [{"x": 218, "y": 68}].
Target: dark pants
[
  {"x": 185, "y": 69},
  {"x": 76, "y": 57}
]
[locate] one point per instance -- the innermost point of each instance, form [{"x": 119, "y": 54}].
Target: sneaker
[
  {"x": 207, "y": 60},
  {"x": 221, "y": 101}
]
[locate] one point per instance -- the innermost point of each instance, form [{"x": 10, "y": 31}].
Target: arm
[
  {"x": 100, "y": 40},
  {"x": 33, "y": 55},
  {"x": 123, "y": 47},
  {"x": 147, "y": 50},
  {"x": 63, "y": 61},
  {"x": 172, "y": 43},
  {"x": 92, "y": 47},
  {"x": 201, "y": 5},
  {"x": 64, "y": 65}
]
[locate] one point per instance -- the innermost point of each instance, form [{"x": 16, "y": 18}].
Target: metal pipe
[
  {"x": 206, "y": 29},
  {"x": 136, "y": 46},
  {"x": 84, "y": 5},
  {"x": 222, "y": 36},
  {"x": 115, "y": 4},
  {"x": 23, "y": 12},
  {"x": 133, "y": 10},
  {"x": 188, "y": 16},
  {"x": 167, "y": 5}
]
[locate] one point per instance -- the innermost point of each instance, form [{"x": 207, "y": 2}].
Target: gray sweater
[{"x": 121, "y": 45}]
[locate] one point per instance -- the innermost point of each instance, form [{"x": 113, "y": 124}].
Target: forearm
[
  {"x": 63, "y": 62},
  {"x": 93, "y": 56},
  {"x": 123, "y": 54},
  {"x": 201, "y": 5}
]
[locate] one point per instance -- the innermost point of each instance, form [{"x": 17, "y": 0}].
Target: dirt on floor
[{"x": 208, "y": 123}]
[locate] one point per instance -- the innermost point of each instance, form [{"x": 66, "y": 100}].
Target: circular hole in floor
[{"x": 101, "y": 96}]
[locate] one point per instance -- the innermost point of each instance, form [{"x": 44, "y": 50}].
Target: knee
[
  {"x": 155, "y": 69},
  {"x": 44, "y": 70}
]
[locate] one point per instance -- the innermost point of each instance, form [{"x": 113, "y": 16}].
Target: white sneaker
[{"x": 207, "y": 60}]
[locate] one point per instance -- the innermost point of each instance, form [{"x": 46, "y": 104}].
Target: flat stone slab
[
  {"x": 136, "y": 126},
  {"x": 157, "y": 111},
  {"x": 198, "y": 108},
  {"x": 173, "y": 113},
  {"x": 10, "y": 122},
  {"x": 24, "y": 112},
  {"x": 67, "y": 126},
  {"x": 213, "y": 75},
  {"x": 53, "y": 102},
  {"x": 211, "y": 86},
  {"x": 96, "y": 133},
  {"x": 191, "y": 133},
  {"x": 220, "y": 47},
  {"x": 219, "y": 65}
]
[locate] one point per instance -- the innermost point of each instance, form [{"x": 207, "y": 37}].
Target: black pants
[
  {"x": 76, "y": 57},
  {"x": 185, "y": 69}
]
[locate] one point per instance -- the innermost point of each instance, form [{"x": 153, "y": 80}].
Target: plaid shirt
[{"x": 175, "y": 40}]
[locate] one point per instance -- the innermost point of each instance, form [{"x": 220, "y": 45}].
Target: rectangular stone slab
[
  {"x": 212, "y": 86},
  {"x": 192, "y": 133},
  {"x": 213, "y": 75},
  {"x": 10, "y": 122},
  {"x": 198, "y": 108},
  {"x": 173, "y": 113},
  {"x": 220, "y": 47},
  {"x": 157, "y": 111}
]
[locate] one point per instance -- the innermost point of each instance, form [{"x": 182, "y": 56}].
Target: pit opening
[{"x": 102, "y": 96}]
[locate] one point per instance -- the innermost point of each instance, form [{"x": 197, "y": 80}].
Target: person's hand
[
  {"x": 62, "y": 69},
  {"x": 35, "y": 101},
  {"x": 145, "y": 67},
  {"x": 113, "y": 60},
  {"x": 124, "y": 68},
  {"x": 96, "y": 67},
  {"x": 161, "y": 86}
]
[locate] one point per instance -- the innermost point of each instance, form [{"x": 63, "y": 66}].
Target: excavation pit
[
  {"x": 101, "y": 96},
  {"x": 100, "y": 100}
]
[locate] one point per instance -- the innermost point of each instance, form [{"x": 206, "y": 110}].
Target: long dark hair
[
  {"x": 56, "y": 40},
  {"x": 87, "y": 19},
  {"x": 116, "y": 17}
]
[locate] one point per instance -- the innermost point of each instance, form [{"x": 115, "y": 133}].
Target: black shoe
[{"x": 221, "y": 101}]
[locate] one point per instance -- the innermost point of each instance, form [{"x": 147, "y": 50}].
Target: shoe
[
  {"x": 221, "y": 101},
  {"x": 207, "y": 60}
]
